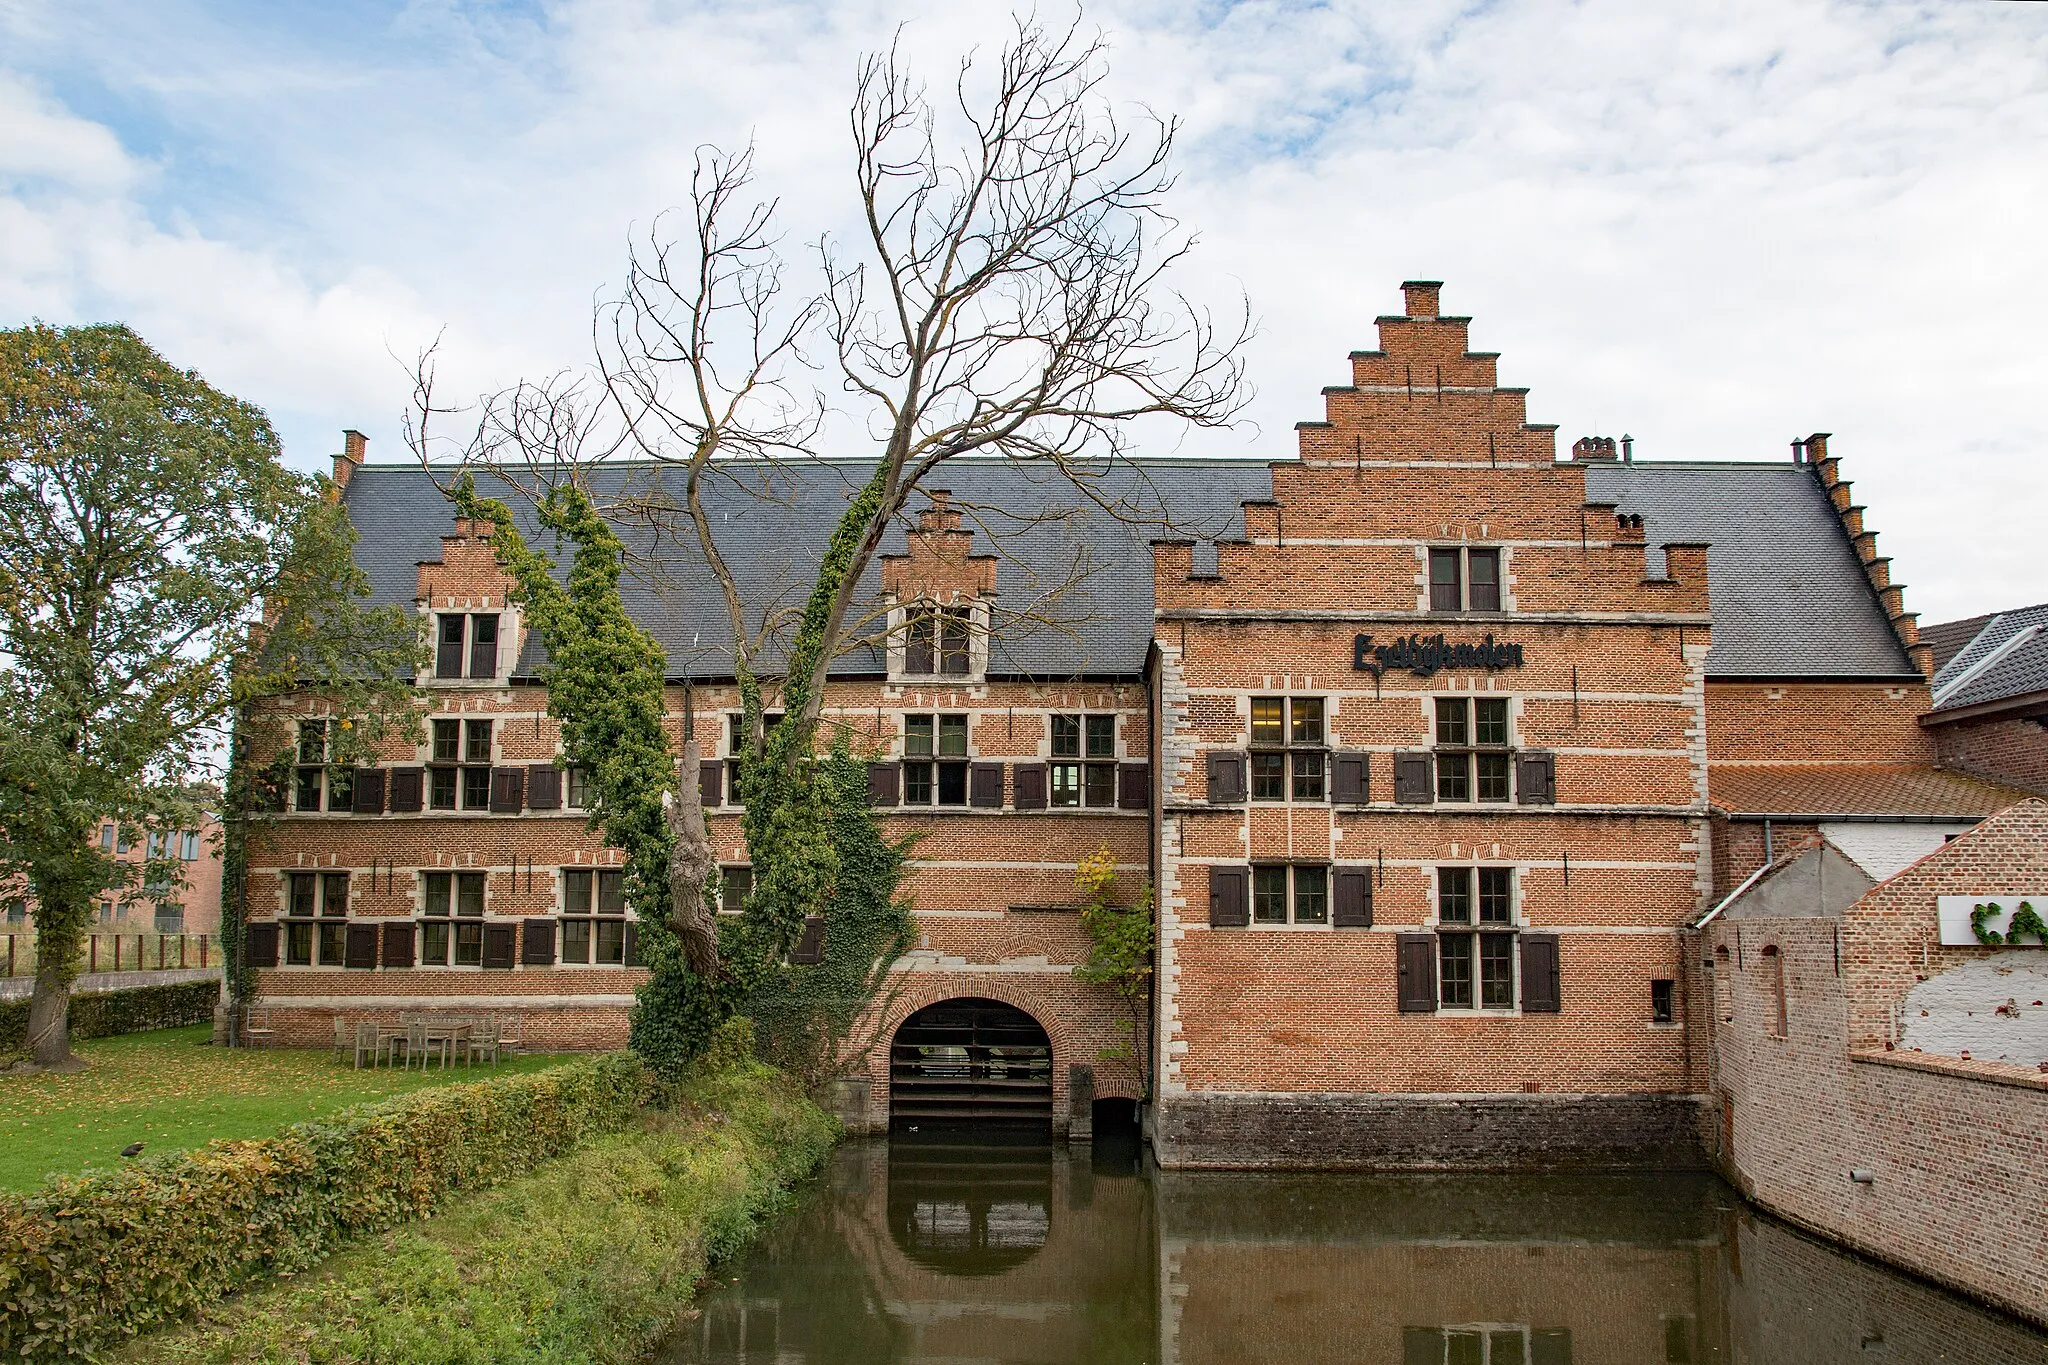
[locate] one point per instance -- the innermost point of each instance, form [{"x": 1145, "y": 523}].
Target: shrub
[
  {"x": 92, "y": 1258},
  {"x": 102, "y": 1014}
]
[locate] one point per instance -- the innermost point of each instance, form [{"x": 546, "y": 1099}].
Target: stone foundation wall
[{"x": 1394, "y": 1132}]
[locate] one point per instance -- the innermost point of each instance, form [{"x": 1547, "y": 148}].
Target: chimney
[
  {"x": 1593, "y": 448},
  {"x": 1628, "y": 447},
  {"x": 1422, "y": 297},
  {"x": 354, "y": 445}
]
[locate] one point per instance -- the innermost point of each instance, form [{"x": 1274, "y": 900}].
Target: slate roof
[
  {"x": 1075, "y": 571},
  {"x": 2006, "y": 659},
  {"x": 1824, "y": 789},
  {"x": 1789, "y": 593},
  {"x": 1074, "y": 575}
]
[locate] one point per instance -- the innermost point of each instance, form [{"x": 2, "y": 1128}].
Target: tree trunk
[
  {"x": 49, "y": 1032},
  {"x": 690, "y": 861}
]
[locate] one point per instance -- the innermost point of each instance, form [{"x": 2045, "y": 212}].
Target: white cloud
[{"x": 1716, "y": 227}]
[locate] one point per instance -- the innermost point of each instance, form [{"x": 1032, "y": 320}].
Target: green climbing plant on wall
[
  {"x": 2026, "y": 922},
  {"x": 1120, "y": 943}
]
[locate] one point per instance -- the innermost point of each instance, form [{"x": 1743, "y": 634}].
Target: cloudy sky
[{"x": 1715, "y": 227}]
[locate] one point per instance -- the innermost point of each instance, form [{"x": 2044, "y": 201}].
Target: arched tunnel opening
[{"x": 970, "y": 1063}]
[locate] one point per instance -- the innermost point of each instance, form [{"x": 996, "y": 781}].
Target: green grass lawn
[{"x": 173, "y": 1092}]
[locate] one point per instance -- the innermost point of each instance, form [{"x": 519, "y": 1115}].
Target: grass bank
[
  {"x": 592, "y": 1258},
  {"x": 171, "y": 1092}
]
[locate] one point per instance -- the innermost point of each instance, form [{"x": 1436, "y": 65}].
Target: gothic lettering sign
[
  {"x": 1423, "y": 655},
  {"x": 2016, "y": 921}
]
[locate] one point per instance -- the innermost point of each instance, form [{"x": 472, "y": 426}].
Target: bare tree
[{"x": 1009, "y": 295}]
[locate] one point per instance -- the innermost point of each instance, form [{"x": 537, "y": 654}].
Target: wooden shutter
[
  {"x": 1414, "y": 783},
  {"x": 369, "y": 791},
  {"x": 1350, "y": 779},
  {"x": 711, "y": 782},
  {"x": 632, "y": 944},
  {"x": 1031, "y": 783},
  {"x": 508, "y": 791},
  {"x": 985, "y": 785},
  {"x": 1536, "y": 777},
  {"x": 408, "y": 789},
  {"x": 1229, "y": 897},
  {"x": 1226, "y": 779},
  {"x": 398, "y": 944},
  {"x": 1134, "y": 786},
  {"x": 543, "y": 787},
  {"x": 448, "y": 651},
  {"x": 498, "y": 945},
  {"x": 483, "y": 654},
  {"x": 1415, "y": 973},
  {"x": 537, "y": 942},
  {"x": 1539, "y": 974},
  {"x": 810, "y": 946},
  {"x": 1351, "y": 905},
  {"x": 259, "y": 945},
  {"x": 359, "y": 949},
  {"x": 883, "y": 782}
]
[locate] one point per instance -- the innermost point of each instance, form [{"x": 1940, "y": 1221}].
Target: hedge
[
  {"x": 92, "y": 1258},
  {"x": 132, "y": 1009}
]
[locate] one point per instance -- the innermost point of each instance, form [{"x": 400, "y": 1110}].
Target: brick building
[
  {"x": 1990, "y": 702},
  {"x": 1434, "y": 746},
  {"x": 1878, "y": 1070},
  {"x": 188, "y": 903}
]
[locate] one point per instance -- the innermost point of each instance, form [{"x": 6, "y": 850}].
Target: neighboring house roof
[
  {"x": 1812, "y": 790},
  {"x": 1074, "y": 572},
  {"x": 1790, "y": 595},
  {"x": 1947, "y": 638},
  {"x": 1823, "y": 880},
  {"x": 2005, "y": 661}
]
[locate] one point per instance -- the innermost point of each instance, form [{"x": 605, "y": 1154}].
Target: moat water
[{"x": 927, "y": 1251}]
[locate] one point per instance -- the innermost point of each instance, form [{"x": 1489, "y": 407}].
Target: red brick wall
[
  {"x": 1611, "y": 683},
  {"x": 1817, "y": 722},
  {"x": 2014, "y": 752},
  {"x": 1954, "y": 1152},
  {"x": 971, "y": 868}
]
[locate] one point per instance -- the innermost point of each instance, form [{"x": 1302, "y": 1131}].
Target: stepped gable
[
  {"x": 1076, "y": 566},
  {"x": 1426, "y": 445}
]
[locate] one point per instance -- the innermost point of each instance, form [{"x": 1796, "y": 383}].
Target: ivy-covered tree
[{"x": 160, "y": 571}]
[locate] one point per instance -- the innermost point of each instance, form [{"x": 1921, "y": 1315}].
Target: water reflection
[{"x": 928, "y": 1251}]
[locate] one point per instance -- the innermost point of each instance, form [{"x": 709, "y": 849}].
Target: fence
[{"x": 119, "y": 953}]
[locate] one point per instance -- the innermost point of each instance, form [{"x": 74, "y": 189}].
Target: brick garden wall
[{"x": 1954, "y": 1148}]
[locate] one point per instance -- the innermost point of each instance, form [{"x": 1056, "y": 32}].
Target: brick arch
[{"x": 986, "y": 986}]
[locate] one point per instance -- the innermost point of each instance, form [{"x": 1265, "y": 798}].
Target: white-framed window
[
  {"x": 1474, "y": 758},
  {"x": 451, "y": 919},
  {"x": 1475, "y": 913},
  {"x": 1083, "y": 768},
  {"x": 939, "y": 640},
  {"x": 1464, "y": 578},
  {"x": 1296, "y": 893},
  {"x": 466, "y": 645},
  {"x": 594, "y": 917},
  {"x": 1289, "y": 758},
  {"x": 935, "y": 760},
  {"x": 316, "y": 919}
]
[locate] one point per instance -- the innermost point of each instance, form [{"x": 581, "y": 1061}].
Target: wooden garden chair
[{"x": 257, "y": 1030}]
